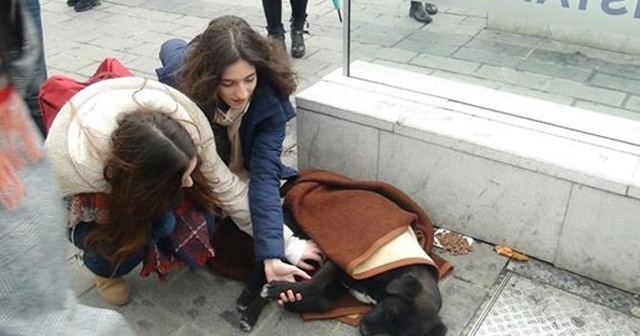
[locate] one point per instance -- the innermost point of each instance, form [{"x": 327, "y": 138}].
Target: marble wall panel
[
  {"x": 482, "y": 198},
  {"x": 600, "y": 238}
]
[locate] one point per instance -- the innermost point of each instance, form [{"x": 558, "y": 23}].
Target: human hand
[
  {"x": 289, "y": 297},
  {"x": 276, "y": 269},
  {"x": 311, "y": 252}
]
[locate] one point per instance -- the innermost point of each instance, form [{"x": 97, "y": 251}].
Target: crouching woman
[{"x": 142, "y": 180}]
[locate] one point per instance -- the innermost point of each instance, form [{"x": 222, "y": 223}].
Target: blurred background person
[
  {"x": 35, "y": 290},
  {"x": 422, "y": 12},
  {"x": 28, "y": 70},
  {"x": 83, "y": 5},
  {"x": 273, "y": 13}
]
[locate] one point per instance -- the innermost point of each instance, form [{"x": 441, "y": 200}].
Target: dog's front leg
[
  {"x": 318, "y": 294},
  {"x": 250, "y": 303}
]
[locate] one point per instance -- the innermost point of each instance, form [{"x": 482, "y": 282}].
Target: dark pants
[
  {"x": 273, "y": 13},
  {"x": 40, "y": 71},
  {"x": 95, "y": 262},
  {"x": 172, "y": 53}
]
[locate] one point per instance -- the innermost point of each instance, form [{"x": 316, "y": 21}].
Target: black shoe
[
  {"x": 85, "y": 5},
  {"x": 278, "y": 41},
  {"x": 72, "y": 3},
  {"x": 418, "y": 13},
  {"x": 297, "y": 43},
  {"x": 430, "y": 8}
]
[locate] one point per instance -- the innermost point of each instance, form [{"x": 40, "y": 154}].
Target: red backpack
[{"x": 57, "y": 90}]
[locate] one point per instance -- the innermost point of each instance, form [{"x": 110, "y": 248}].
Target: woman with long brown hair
[
  {"x": 242, "y": 82},
  {"x": 138, "y": 167}
]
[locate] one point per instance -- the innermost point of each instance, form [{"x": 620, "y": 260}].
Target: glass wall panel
[{"x": 581, "y": 53}]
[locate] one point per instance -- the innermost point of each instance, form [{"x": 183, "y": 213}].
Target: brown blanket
[
  {"x": 335, "y": 204},
  {"x": 351, "y": 219}
]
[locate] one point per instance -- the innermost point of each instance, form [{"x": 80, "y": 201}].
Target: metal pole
[{"x": 346, "y": 38}]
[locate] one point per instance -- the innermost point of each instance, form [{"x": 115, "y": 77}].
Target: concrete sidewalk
[{"x": 486, "y": 294}]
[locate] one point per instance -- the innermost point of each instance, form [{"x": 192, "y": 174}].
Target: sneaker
[
  {"x": 72, "y": 3},
  {"x": 85, "y": 5},
  {"x": 114, "y": 291}
]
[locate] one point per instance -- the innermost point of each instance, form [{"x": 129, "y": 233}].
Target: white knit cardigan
[
  {"x": 79, "y": 142},
  {"x": 79, "y": 139}
]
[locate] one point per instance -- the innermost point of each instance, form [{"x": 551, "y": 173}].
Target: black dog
[{"x": 407, "y": 298}]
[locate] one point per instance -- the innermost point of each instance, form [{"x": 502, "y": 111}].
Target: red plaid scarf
[{"x": 189, "y": 242}]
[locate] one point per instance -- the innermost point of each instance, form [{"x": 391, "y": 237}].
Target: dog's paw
[
  {"x": 273, "y": 289},
  {"x": 245, "y": 326}
]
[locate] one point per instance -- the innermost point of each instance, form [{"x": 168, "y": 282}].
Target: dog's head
[{"x": 409, "y": 309}]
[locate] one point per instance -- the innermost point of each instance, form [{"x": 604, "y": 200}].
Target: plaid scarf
[{"x": 187, "y": 243}]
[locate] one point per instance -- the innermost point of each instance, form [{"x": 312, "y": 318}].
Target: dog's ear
[{"x": 406, "y": 286}]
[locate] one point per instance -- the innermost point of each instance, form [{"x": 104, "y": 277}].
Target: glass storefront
[{"x": 578, "y": 53}]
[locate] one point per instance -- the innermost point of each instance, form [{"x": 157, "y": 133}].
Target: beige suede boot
[{"x": 114, "y": 291}]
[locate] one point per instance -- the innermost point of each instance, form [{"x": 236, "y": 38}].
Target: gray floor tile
[{"x": 482, "y": 266}]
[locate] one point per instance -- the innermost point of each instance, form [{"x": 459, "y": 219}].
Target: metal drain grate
[{"x": 521, "y": 307}]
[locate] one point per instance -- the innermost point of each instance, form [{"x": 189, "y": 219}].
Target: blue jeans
[
  {"x": 172, "y": 54},
  {"x": 95, "y": 262}
]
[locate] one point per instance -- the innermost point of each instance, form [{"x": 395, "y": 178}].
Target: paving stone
[
  {"x": 482, "y": 266},
  {"x": 578, "y": 90},
  {"x": 451, "y": 23},
  {"x": 488, "y": 57},
  {"x": 378, "y": 35},
  {"x": 433, "y": 48},
  {"x": 467, "y": 79},
  {"x": 511, "y": 76},
  {"x": 508, "y": 38},
  {"x": 627, "y": 70},
  {"x": 575, "y": 59},
  {"x": 324, "y": 42},
  {"x": 565, "y": 100},
  {"x": 191, "y": 330},
  {"x": 633, "y": 103},
  {"x": 555, "y": 70},
  {"x": 599, "y": 54},
  {"x": 500, "y": 47},
  {"x": 445, "y": 63},
  {"x": 404, "y": 66},
  {"x": 390, "y": 54},
  {"x": 610, "y": 110},
  {"x": 460, "y": 301},
  {"x": 616, "y": 83},
  {"x": 154, "y": 15}
]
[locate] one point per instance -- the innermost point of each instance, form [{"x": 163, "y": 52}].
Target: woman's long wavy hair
[
  {"x": 151, "y": 151},
  {"x": 227, "y": 40}
]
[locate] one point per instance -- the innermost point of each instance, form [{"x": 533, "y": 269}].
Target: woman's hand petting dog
[
  {"x": 276, "y": 269},
  {"x": 313, "y": 254}
]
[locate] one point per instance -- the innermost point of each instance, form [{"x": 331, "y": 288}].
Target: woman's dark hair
[
  {"x": 150, "y": 153},
  {"x": 226, "y": 40}
]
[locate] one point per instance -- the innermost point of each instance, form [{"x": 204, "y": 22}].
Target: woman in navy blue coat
[{"x": 242, "y": 82}]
